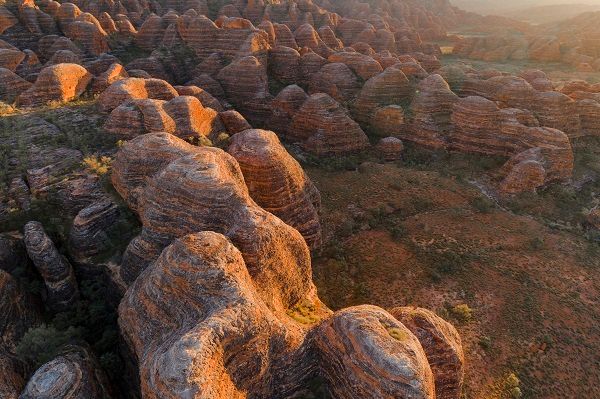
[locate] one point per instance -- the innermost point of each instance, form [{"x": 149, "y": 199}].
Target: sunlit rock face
[
  {"x": 442, "y": 346},
  {"x": 277, "y": 182},
  {"x": 244, "y": 287},
  {"x": 322, "y": 126},
  {"x": 61, "y": 83}
]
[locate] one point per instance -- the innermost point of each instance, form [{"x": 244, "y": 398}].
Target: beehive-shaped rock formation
[{"x": 277, "y": 182}]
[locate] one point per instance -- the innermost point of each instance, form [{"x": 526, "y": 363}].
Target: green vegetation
[
  {"x": 397, "y": 334},
  {"x": 92, "y": 320},
  {"x": 304, "y": 313},
  {"x": 462, "y": 313},
  {"x": 99, "y": 165},
  {"x": 41, "y": 344}
]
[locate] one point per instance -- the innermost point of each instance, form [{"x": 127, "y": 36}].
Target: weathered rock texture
[
  {"x": 62, "y": 83},
  {"x": 442, "y": 346},
  {"x": 219, "y": 284},
  {"x": 88, "y": 234},
  {"x": 432, "y": 110},
  {"x": 57, "y": 272},
  {"x": 74, "y": 374},
  {"x": 322, "y": 126},
  {"x": 132, "y": 89},
  {"x": 277, "y": 182},
  {"x": 183, "y": 116},
  {"x": 19, "y": 314}
]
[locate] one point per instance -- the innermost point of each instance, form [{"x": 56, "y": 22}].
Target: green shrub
[
  {"x": 97, "y": 165},
  {"x": 482, "y": 204},
  {"x": 463, "y": 313},
  {"x": 485, "y": 342},
  {"x": 41, "y": 344},
  {"x": 536, "y": 243}
]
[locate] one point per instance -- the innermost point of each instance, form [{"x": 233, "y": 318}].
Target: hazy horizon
[{"x": 490, "y": 6}]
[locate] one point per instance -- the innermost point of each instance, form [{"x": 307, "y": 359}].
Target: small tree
[{"x": 41, "y": 344}]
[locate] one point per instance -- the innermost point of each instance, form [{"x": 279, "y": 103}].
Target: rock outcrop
[
  {"x": 390, "y": 148},
  {"x": 57, "y": 272},
  {"x": 227, "y": 329},
  {"x": 74, "y": 374},
  {"x": 246, "y": 86},
  {"x": 12, "y": 251},
  {"x": 88, "y": 234},
  {"x": 62, "y": 83},
  {"x": 19, "y": 314},
  {"x": 277, "y": 182},
  {"x": 184, "y": 116},
  {"x": 442, "y": 346},
  {"x": 323, "y": 127},
  {"x": 360, "y": 345},
  {"x": 133, "y": 89},
  {"x": 11, "y": 85},
  {"x": 432, "y": 109}
]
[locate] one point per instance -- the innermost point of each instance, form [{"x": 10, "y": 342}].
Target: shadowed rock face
[
  {"x": 62, "y": 82},
  {"x": 11, "y": 85},
  {"x": 442, "y": 346},
  {"x": 57, "y": 272},
  {"x": 74, "y": 374},
  {"x": 12, "y": 252},
  {"x": 19, "y": 314},
  {"x": 87, "y": 237},
  {"x": 12, "y": 376},
  {"x": 277, "y": 182}
]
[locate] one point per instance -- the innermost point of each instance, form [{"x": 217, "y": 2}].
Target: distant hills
[{"x": 533, "y": 11}]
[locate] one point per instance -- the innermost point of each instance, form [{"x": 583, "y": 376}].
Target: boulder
[
  {"x": 74, "y": 374},
  {"x": 390, "y": 148},
  {"x": 115, "y": 72},
  {"x": 134, "y": 88},
  {"x": 359, "y": 345},
  {"x": 62, "y": 82},
  {"x": 442, "y": 346},
  {"x": 322, "y": 126}
]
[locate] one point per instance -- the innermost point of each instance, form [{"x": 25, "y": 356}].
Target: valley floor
[{"x": 425, "y": 236}]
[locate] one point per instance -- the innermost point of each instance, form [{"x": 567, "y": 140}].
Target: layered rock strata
[
  {"x": 277, "y": 182},
  {"x": 61, "y": 287}
]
